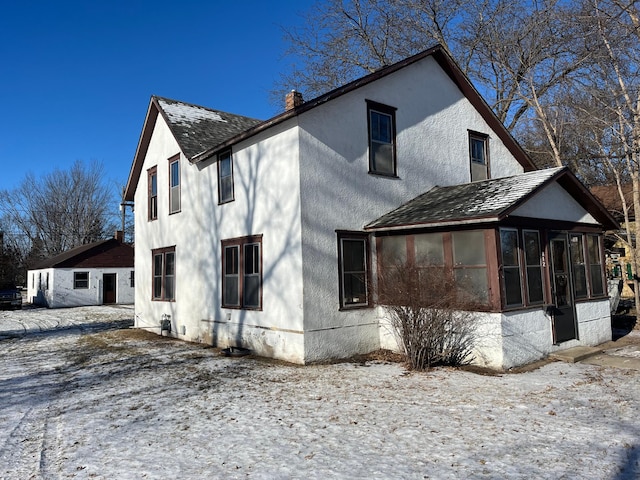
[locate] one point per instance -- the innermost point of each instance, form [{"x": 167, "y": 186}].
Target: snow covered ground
[{"x": 77, "y": 402}]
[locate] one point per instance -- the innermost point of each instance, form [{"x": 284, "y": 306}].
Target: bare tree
[
  {"x": 427, "y": 313},
  {"x": 59, "y": 211}
]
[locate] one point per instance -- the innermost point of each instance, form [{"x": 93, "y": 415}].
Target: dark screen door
[{"x": 564, "y": 317}]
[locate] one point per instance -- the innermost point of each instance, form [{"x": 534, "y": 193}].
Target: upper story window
[
  {"x": 174, "y": 184},
  {"x": 225, "y": 177},
  {"x": 479, "y": 156},
  {"x": 353, "y": 266},
  {"x": 382, "y": 138},
  {"x": 152, "y": 185}
]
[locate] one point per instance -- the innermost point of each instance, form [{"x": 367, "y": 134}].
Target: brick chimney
[
  {"x": 119, "y": 236},
  {"x": 293, "y": 100}
]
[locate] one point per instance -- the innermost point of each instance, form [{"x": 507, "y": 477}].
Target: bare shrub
[{"x": 424, "y": 307}]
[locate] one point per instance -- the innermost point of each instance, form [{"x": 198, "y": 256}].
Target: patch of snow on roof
[{"x": 183, "y": 114}]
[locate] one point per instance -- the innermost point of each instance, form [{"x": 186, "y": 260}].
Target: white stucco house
[
  {"x": 98, "y": 273},
  {"x": 271, "y": 235}
]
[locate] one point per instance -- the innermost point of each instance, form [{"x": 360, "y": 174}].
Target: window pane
[
  {"x": 231, "y": 260},
  {"x": 393, "y": 251},
  {"x": 578, "y": 266},
  {"x": 594, "y": 249},
  {"x": 531, "y": 248},
  {"x": 354, "y": 288},
  {"x": 534, "y": 282},
  {"x": 225, "y": 165},
  {"x": 596, "y": 280},
  {"x": 231, "y": 290},
  {"x": 157, "y": 287},
  {"x": 429, "y": 250},
  {"x": 251, "y": 259},
  {"x": 477, "y": 151},
  {"x": 169, "y": 288},
  {"x": 472, "y": 284},
  {"x": 154, "y": 184},
  {"x": 595, "y": 265},
  {"x": 354, "y": 275},
  {"x": 175, "y": 174},
  {"x": 157, "y": 264},
  {"x": 382, "y": 158},
  {"x": 353, "y": 259},
  {"x": 512, "y": 287},
  {"x": 226, "y": 189},
  {"x": 380, "y": 127},
  {"x": 170, "y": 263},
  {"x": 509, "y": 245},
  {"x": 468, "y": 248},
  {"x": 251, "y": 291}
]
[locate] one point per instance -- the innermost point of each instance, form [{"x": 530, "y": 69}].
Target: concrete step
[{"x": 575, "y": 354}]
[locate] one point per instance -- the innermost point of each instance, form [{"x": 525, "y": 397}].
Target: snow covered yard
[{"x": 124, "y": 404}]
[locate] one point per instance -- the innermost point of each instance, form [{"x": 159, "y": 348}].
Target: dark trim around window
[
  {"x": 242, "y": 273},
  {"x": 174, "y": 184},
  {"x": 225, "y": 177},
  {"x": 381, "y": 131},
  {"x": 80, "y": 280},
  {"x": 354, "y": 270},
  {"x": 163, "y": 274},
  {"x": 479, "y": 156},
  {"x": 152, "y": 193}
]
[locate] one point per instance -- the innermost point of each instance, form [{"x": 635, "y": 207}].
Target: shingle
[
  {"x": 198, "y": 129},
  {"x": 469, "y": 201}
]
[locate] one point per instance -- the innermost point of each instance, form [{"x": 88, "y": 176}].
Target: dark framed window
[
  {"x": 225, "y": 177},
  {"x": 522, "y": 272},
  {"x": 174, "y": 184},
  {"x": 578, "y": 266},
  {"x": 381, "y": 120},
  {"x": 164, "y": 274},
  {"x": 152, "y": 186},
  {"x": 353, "y": 268},
  {"x": 596, "y": 271},
  {"x": 242, "y": 273},
  {"x": 80, "y": 280},
  {"x": 533, "y": 266},
  {"x": 132, "y": 279},
  {"x": 479, "y": 156},
  {"x": 512, "y": 284}
]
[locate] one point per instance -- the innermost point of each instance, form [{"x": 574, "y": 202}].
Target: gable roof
[
  {"x": 198, "y": 129},
  {"x": 105, "y": 253},
  {"x": 485, "y": 201},
  {"x": 220, "y": 142}
]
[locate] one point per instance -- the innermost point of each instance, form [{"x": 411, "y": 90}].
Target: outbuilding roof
[
  {"x": 485, "y": 201},
  {"x": 105, "y": 253}
]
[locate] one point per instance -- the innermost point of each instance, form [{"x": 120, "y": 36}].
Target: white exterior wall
[
  {"x": 60, "y": 292},
  {"x": 432, "y": 145},
  {"x": 510, "y": 339},
  {"x": 266, "y": 187}
]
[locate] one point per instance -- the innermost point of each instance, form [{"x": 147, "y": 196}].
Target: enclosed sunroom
[{"x": 525, "y": 253}]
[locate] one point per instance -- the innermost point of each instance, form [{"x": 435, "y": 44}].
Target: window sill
[
  {"x": 384, "y": 175},
  {"x": 346, "y": 308}
]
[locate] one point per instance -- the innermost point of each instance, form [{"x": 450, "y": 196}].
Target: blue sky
[{"x": 76, "y": 76}]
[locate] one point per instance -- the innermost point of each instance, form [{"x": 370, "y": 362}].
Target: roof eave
[
  {"x": 141, "y": 150},
  {"x": 447, "y": 223}
]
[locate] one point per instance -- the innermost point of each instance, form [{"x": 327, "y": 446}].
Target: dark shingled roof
[
  {"x": 105, "y": 253},
  {"x": 484, "y": 200},
  {"x": 197, "y": 129}
]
